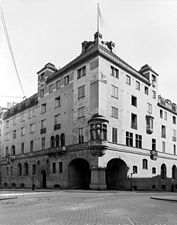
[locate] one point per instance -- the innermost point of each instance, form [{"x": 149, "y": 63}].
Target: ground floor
[
  {"x": 87, "y": 207},
  {"x": 120, "y": 169}
]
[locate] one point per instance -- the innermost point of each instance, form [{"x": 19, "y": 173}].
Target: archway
[
  {"x": 43, "y": 179},
  {"x": 79, "y": 174},
  {"x": 116, "y": 174},
  {"x": 163, "y": 171}
]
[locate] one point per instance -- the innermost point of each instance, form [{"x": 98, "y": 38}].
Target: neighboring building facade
[{"x": 95, "y": 123}]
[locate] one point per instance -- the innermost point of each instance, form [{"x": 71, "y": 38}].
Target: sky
[{"x": 42, "y": 31}]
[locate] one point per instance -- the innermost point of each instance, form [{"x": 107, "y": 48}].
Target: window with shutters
[
  {"x": 114, "y": 112},
  {"x": 114, "y": 91},
  {"x": 114, "y": 135},
  {"x": 81, "y": 91},
  {"x": 81, "y": 112}
]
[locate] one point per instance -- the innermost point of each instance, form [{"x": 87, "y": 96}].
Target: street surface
[{"x": 86, "y": 208}]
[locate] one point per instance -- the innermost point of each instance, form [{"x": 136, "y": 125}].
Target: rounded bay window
[{"x": 98, "y": 134}]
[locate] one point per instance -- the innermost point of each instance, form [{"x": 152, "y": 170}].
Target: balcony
[
  {"x": 153, "y": 154},
  {"x": 98, "y": 147},
  {"x": 56, "y": 151},
  {"x": 57, "y": 126},
  {"x": 43, "y": 130}
]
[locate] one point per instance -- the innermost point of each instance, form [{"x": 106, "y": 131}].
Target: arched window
[
  {"x": 62, "y": 140},
  {"x": 13, "y": 150},
  {"x": 33, "y": 169},
  {"x": 26, "y": 171},
  {"x": 57, "y": 140},
  {"x": 145, "y": 164},
  {"x": 173, "y": 172},
  {"x": 163, "y": 171},
  {"x": 52, "y": 142},
  {"x": 19, "y": 169}
]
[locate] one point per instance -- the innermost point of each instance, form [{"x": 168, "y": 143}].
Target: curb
[
  {"x": 8, "y": 198},
  {"x": 171, "y": 198}
]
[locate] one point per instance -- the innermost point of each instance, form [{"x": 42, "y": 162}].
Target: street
[{"x": 86, "y": 208}]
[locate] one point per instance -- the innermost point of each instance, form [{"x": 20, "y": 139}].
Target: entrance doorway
[
  {"x": 43, "y": 179},
  {"x": 116, "y": 174},
  {"x": 79, "y": 174}
]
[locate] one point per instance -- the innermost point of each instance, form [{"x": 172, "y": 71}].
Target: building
[
  {"x": 95, "y": 123},
  {"x": 2, "y": 111}
]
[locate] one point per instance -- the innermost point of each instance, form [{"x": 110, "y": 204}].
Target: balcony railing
[
  {"x": 56, "y": 151},
  {"x": 98, "y": 144}
]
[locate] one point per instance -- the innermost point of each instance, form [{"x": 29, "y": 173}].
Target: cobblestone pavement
[{"x": 87, "y": 208}]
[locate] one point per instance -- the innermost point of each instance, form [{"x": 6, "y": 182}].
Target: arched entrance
[
  {"x": 43, "y": 179},
  {"x": 79, "y": 174},
  {"x": 116, "y": 174}
]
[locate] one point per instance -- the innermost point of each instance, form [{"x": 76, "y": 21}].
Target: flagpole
[{"x": 98, "y": 17}]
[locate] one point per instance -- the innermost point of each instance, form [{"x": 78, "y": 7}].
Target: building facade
[{"x": 95, "y": 123}]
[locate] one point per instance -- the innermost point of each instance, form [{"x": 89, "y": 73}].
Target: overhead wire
[{"x": 11, "y": 51}]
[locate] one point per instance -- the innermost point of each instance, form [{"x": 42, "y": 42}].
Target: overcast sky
[{"x": 43, "y": 31}]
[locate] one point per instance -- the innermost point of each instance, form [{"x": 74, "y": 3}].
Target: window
[
  {"x": 128, "y": 80},
  {"x": 163, "y": 146},
  {"x": 138, "y": 141},
  {"x": 163, "y": 131},
  {"x": 134, "y": 101},
  {"x": 153, "y": 170},
  {"x": 66, "y": 80},
  {"x": 33, "y": 169},
  {"x": 42, "y": 93},
  {"x": 43, "y": 143},
  {"x": 62, "y": 139},
  {"x": 60, "y": 167},
  {"x": 135, "y": 169},
  {"x": 114, "y": 112},
  {"x": 163, "y": 171},
  {"x": 43, "y": 124},
  {"x": 154, "y": 94},
  {"x": 51, "y": 88},
  {"x": 14, "y": 133},
  {"x": 13, "y": 150},
  {"x": 32, "y": 128},
  {"x": 19, "y": 169},
  {"x": 129, "y": 139},
  {"x": 161, "y": 113},
  {"x": 22, "y": 116},
  {"x": 174, "y": 135},
  {"x": 133, "y": 121},
  {"x": 145, "y": 164},
  {"x": 22, "y": 147},
  {"x": 81, "y": 91},
  {"x": 114, "y": 91},
  {"x": 22, "y": 131},
  {"x": 57, "y": 140},
  {"x": 174, "y": 149},
  {"x": 98, "y": 132},
  {"x": 154, "y": 144},
  {"x": 174, "y": 119},
  {"x": 137, "y": 85},
  {"x": 173, "y": 172},
  {"x": 81, "y": 135},
  {"x": 57, "y": 102},
  {"x": 58, "y": 84},
  {"x": 26, "y": 170},
  {"x": 52, "y": 142},
  {"x": 81, "y": 112},
  {"x": 43, "y": 108},
  {"x": 114, "y": 135},
  {"x": 146, "y": 90},
  {"x": 153, "y": 79},
  {"x": 165, "y": 115},
  {"x": 149, "y": 108},
  {"x": 81, "y": 72},
  {"x": 114, "y": 72},
  {"x": 7, "y": 152},
  {"x": 31, "y": 145},
  {"x": 53, "y": 167},
  {"x": 7, "y": 123},
  {"x": 57, "y": 119}
]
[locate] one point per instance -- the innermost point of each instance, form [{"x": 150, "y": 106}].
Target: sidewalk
[{"x": 172, "y": 198}]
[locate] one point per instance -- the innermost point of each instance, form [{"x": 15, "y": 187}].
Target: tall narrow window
[
  {"x": 52, "y": 142},
  {"x": 174, "y": 119},
  {"x": 22, "y": 131},
  {"x": 161, "y": 113},
  {"x": 81, "y": 112},
  {"x": 154, "y": 144},
  {"x": 146, "y": 90},
  {"x": 138, "y": 141},
  {"x": 145, "y": 164},
  {"x": 60, "y": 167},
  {"x": 14, "y": 133},
  {"x": 53, "y": 167},
  {"x": 81, "y": 72},
  {"x": 66, "y": 80},
  {"x": 174, "y": 149},
  {"x": 42, "y": 93},
  {"x": 153, "y": 94},
  {"x": 163, "y": 131},
  {"x": 22, "y": 147},
  {"x": 43, "y": 108},
  {"x": 114, "y": 135},
  {"x": 57, "y": 102},
  {"x": 128, "y": 80},
  {"x": 174, "y": 135},
  {"x": 163, "y": 171},
  {"x": 31, "y": 145},
  {"x": 114, "y": 72},
  {"x": 134, "y": 101},
  {"x": 163, "y": 146},
  {"x": 149, "y": 108},
  {"x": 114, "y": 91},
  {"x": 81, "y": 91},
  {"x": 137, "y": 85},
  {"x": 129, "y": 139},
  {"x": 165, "y": 115},
  {"x": 134, "y": 121},
  {"x": 43, "y": 142},
  {"x": 81, "y": 135}
]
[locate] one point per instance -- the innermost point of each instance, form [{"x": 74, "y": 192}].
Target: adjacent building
[{"x": 95, "y": 123}]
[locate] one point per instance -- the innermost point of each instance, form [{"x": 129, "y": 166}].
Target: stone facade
[{"x": 95, "y": 123}]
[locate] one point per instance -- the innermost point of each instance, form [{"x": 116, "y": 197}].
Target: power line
[{"x": 10, "y": 49}]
